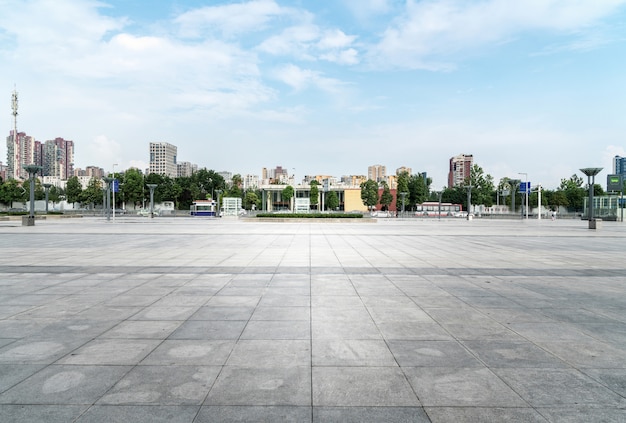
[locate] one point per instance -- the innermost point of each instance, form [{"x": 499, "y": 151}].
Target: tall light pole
[
  {"x": 151, "y": 187},
  {"x": 113, "y": 189},
  {"x": 32, "y": 171},
  {"x": 47, "y": 188},
  {"x": 403, "y": 194},
  {"x": 591, "y": 172},
  {"x": 525, "y": 192}
]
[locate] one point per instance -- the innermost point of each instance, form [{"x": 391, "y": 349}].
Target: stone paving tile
[
  {"x": 558, "y": 387},
  {"x": 139, "y": 414},
  {"x": 361, "y": 386},
  {"x": 432, "y": 354},
  {"x": 40, "y": 413},
  {"x": 370, "y": 414},
  {"x": 262, "y": 386},
  {"x": 458, "y": 387},
  {"x": 59, "y": 384},
  {"x": 163, "y": 385},
  {"x": 190, "y": 353},
  {"x": 270, "y": 353},
  {"x": 403, "y": 320},
  {"x": 484, "y": 415},
  {"x": 261, "y": 414}
]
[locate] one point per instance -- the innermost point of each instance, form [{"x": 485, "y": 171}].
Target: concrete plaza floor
[{"x": 200, "y": 320}]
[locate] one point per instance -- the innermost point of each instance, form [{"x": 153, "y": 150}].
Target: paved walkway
[{"x": 198, "y": 320}]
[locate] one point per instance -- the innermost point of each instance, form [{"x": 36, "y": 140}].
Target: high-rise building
[
  {"x": 619, "y": 165},
  {"x": 163, "y": 159},
  {"x": 250, "y": 182},
  {"x": 90, "y": 171},
  {"x": 56, "y": 157},
  {"x": 377, "y": 173},
  {"x": 460, "y": 168},
  {"x": 404, "y": 169},
  {"x": 20, "y": 152},
  {"x": 186, "y": 169}
]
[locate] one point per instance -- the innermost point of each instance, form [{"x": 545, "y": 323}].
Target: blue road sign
[
  {"x": 524, "y": 187},
  {"x": 116, "y": 185}
]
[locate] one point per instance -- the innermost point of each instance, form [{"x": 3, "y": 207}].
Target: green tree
[
  {"x": 11, "y": 191},
  {"x": 403, "y": 186},
  {"x": 132, "y": 188},
  {"x": 207, "y": 182},
  {"x": 73, "y": 190},
  {"x": 250, "y": 200},
  {"x": 385, "y": 197},
  {"x": 39, "y": 190},
  {"x": 287, "y": 193},
  {"x": 54, "y": 194},
  {"x": 419, "y": 187},
  {"x": 482, "y": 187},
  {"x": 93, "y": 193},
  {"x": 332, "y": 200},
  {"x": 369, "y": 193},
  {"x": 574, "y": 191},
  {"x": 314, "y": 193},
  {"x": 169, "y": 190}
]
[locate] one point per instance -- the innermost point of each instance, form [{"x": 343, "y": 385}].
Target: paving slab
[{"x": 234, "y": 320}]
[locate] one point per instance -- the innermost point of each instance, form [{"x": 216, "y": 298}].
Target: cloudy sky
[{"x": 323, "y": 87}]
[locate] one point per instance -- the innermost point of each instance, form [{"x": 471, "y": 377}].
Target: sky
[{"x": 532, "y": 89}]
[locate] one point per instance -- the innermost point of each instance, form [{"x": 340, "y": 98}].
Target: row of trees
[
  {"x": 483, "y": 191},
  {"x": 411, "y": 190}
]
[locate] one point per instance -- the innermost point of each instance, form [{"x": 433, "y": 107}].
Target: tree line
[
  {"x": 482, "y": 191},
  {"x": 411, "y": 189}
]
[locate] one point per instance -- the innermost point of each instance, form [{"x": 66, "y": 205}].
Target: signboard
[
  {"x": 614, "y": 183},
  {"x": 524, "y": 187},
  {"x": 116, "y": 185}
]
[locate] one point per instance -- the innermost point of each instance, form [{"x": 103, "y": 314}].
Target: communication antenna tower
[{"x": 14, "y": 107}]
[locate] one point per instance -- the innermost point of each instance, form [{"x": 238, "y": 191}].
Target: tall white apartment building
[
  {"x": 186, "y": 169},
  {"x": 250, "y": 182},
  {"x": 377, "y": 173},
  {"x": 163, "y": 159}
]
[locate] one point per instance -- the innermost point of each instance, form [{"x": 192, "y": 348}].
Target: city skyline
[{"x": 533, "y": 87}]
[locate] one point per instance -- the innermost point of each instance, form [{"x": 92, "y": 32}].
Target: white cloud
[
  {"x": 301, "y": 79},
  {"x": 431, "y": 31},
  {"x": 230, "y": 19},
  {"x": 106, "y": 150},
  {"x": 365, "y": 9}
]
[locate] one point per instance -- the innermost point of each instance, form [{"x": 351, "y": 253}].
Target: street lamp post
[
  {"x": 47, "y": 188},
  {"x": 440, "y": 196},
  {"x": 32, "y": 170},
  {"x": 591, "y": 172},
  {"x": 513, "y": 183},
  {"x": 469, "y": 201},
  {"x": 403, "y": 194},
  {"x": 152, "y": 187},
  {"x": 113, "y": 189},
  {"x": 109, "y": 182},
  {"x": 525, "y": 192},
  {"x": 217, "y": 211}
]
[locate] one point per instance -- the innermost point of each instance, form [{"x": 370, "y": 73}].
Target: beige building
[{"x": 163, "y": 159}]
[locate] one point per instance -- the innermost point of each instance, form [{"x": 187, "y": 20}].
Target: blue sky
[{"x": 323, "y": 87}]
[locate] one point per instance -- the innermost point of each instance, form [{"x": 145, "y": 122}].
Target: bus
[
  {"x": 431, "y": 208},
  {"x": 203, "y": 208}
]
